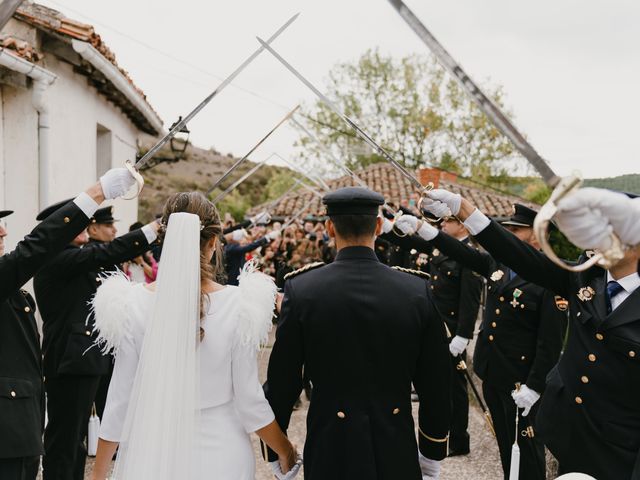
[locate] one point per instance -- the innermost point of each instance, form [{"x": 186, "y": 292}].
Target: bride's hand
[{"x": 289, "y": 460}]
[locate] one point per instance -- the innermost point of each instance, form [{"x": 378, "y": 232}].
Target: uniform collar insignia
[
  {"x": 561, "y": 303},
  {"x": 497, "y": 275},
  {"x": 586, "y": 294}
]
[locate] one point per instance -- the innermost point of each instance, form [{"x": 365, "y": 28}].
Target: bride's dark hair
[{"x": 210, "y": 227}]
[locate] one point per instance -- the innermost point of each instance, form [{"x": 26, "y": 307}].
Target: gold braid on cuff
[{"x": 431, "y": 439}]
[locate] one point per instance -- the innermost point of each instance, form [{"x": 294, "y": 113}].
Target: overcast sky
[{"x": 570, "y": 69}]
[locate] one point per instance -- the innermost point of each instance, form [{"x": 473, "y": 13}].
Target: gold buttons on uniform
[
  {"x": 13, "y": 394},
  {"x": 584, "y": 379},
  {"x": 448, "y": 273},
  {"x": 66, "y": 220},
  {"x": 396, "y": 411},
  {"x": 494, "y": 324},
  {"x": 497, "y": 311},
  {"x": 502, "y": 299},
  {"x": 491, "y": 338},
  {"x": 632, "y": 354},
  {"x": 523, "y": 358},
  {"x": 522, "y": 305},
  {"x": 578, "y": 314},
  {"x": 599, "y": 336},
  {"x": 435, "y": 277},
  {"x": 579, "y": 400},
  {"x": 136, "y": 243},
  {"x": 592, "y": 357},
  {"x": 341, "y": 415},
  {"x": 87, "y": 332},
  {"x": 453, "y": 313},
  {"x": 27, "y": 309}
]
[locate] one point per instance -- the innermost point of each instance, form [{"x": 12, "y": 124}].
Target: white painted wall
[{"x": 76, "y": 108}]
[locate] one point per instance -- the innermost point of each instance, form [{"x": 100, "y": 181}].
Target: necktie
[{"x": 613, "y": 288}]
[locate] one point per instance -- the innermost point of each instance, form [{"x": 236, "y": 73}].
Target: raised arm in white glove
[
  {"x": 525, "y": 398},
  {"x": 387, "y": 225},
  {"x": 588, "y": 216},
  {"x": 116, "y": 182},
  {"x": 430, "y": 468},
  {"x": 458, "y": 345},
  {"x": 409, "y": 225},
  {"x": 442, "y": 203}
]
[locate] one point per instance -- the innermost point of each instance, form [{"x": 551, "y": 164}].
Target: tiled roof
[
  {"x": 385, "y": 179},
  {"x": 19, "y": 47},
  {"x": 55, "y": 23}
]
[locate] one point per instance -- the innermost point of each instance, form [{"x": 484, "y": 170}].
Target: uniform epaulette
[
  {"x": 306, "y": 268},
  {"x": 417, "y": 273}
]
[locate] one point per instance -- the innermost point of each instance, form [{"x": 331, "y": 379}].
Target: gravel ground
[{"x": 483, "y": 463}]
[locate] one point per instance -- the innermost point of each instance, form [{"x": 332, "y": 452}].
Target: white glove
[
  {"x": 387, "y": 225},
  {"x": 589, "y": 215},
  {"x": 271, "y": 236},
  {"x": 458, "y": 345},
  {"x": 525, "y": 398},
  {"x": 442, "y": 203},
  {"x": 408, "y": 224},
  {"x": 291, "y": 474},
  {"x": 116, "y": 182},
  {"x": 430, "y": 468},
  {"x": 262, "y": 218},
  {"x": 238, "y": 235}
]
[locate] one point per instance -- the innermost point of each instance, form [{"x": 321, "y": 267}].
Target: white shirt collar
[{"x": 629, "y": 283}]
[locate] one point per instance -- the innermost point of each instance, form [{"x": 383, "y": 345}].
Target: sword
[
  {"x": 313, "y": 178},
  {"x": 180, "y": 124},
  {"x": 239, "y": 181},
  {"x": 253, "y": 149},
  {"x": 361, "y": 133},
  {"x": 462, "y": 367},
  {"x": 332, "y": 157},
  {"x": 562, "y": 187}
]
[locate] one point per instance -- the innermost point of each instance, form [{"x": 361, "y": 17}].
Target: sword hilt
[
  {"x": 139, "y": 180},
  {"x": 605, "y": 259}
]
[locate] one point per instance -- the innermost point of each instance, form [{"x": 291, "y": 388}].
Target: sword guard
[
  {"x": 605, "y": 259},
  {"x": 423, "y": 194},
  {"x": 528, "y": 432},
  {"x": 139, "y": 180},
  {"x": 461, "y": 366}
]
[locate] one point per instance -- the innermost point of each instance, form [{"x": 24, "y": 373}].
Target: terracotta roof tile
[{"x": 386, "y": 180}]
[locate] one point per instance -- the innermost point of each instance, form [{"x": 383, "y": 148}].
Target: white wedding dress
[{"x": 232, "y": 402}]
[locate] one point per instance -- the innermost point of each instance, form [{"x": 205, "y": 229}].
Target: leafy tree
[{"x": 411, "y": 107}]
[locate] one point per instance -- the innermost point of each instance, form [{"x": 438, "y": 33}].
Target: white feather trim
[
  {"x": 110, "y": 306},
  {"x": 257, "y": 302}
]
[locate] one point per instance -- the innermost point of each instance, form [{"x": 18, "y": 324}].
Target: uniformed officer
[
  {"x": 589, "y": 416},
  {"x": 519, "y": 341},
  {"x": 21, "y": 389},
  {"x": 363, "y": 333},
  {"x": 72, "y": 365},
  {"x": 456, "y": 291}
]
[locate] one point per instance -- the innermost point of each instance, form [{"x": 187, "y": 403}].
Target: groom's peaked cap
[{"x": 352, "y": 201}]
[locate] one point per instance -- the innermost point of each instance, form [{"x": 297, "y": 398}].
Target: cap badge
[
  {"x": 586, "y": 294},
  {"x": 497, "y": 275}
]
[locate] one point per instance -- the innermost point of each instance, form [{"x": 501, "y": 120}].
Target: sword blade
[
  {"x": 262, "y": 140},
  {"x": 361, "y": 133},
  {"x": 178, "y": 126},
  {"x": 485, "y": 104},
  {"x": 237, "y": 182},
  {"x": 332, "y": 157}
]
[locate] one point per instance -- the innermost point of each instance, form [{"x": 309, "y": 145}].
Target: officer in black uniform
[
  {"x": 21, "y": 389},
  {"x": 589, "y": 415},
  {"x": 456, "y": 291},
  {"x": 363, "y": 333},
  {"x": 519, "y": 341},
  {"x": 72, "y": 365}
]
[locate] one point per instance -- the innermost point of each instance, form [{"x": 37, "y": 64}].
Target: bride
[{"x": 185, "y": 393}]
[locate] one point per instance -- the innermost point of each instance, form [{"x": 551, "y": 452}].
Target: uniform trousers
[
  {"x": 21, "y": 468},
  {"x": 69, "y": 402},
  {"x": 459, "y": 436},
  {"x": 503, "y": 413}
]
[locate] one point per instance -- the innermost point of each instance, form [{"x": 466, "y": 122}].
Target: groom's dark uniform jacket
[{"x": 363, "y": 333}]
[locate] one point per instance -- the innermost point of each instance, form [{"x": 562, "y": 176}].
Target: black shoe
[{"x": 456, "y": 453}]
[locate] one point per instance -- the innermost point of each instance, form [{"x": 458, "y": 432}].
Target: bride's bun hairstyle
[{"x": 210, "y": 227}]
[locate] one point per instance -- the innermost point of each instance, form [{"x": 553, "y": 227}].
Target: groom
[{"x": 363, "y": 333}]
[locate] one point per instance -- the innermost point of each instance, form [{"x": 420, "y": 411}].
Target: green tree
[{"x": 411, "y": 107}]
